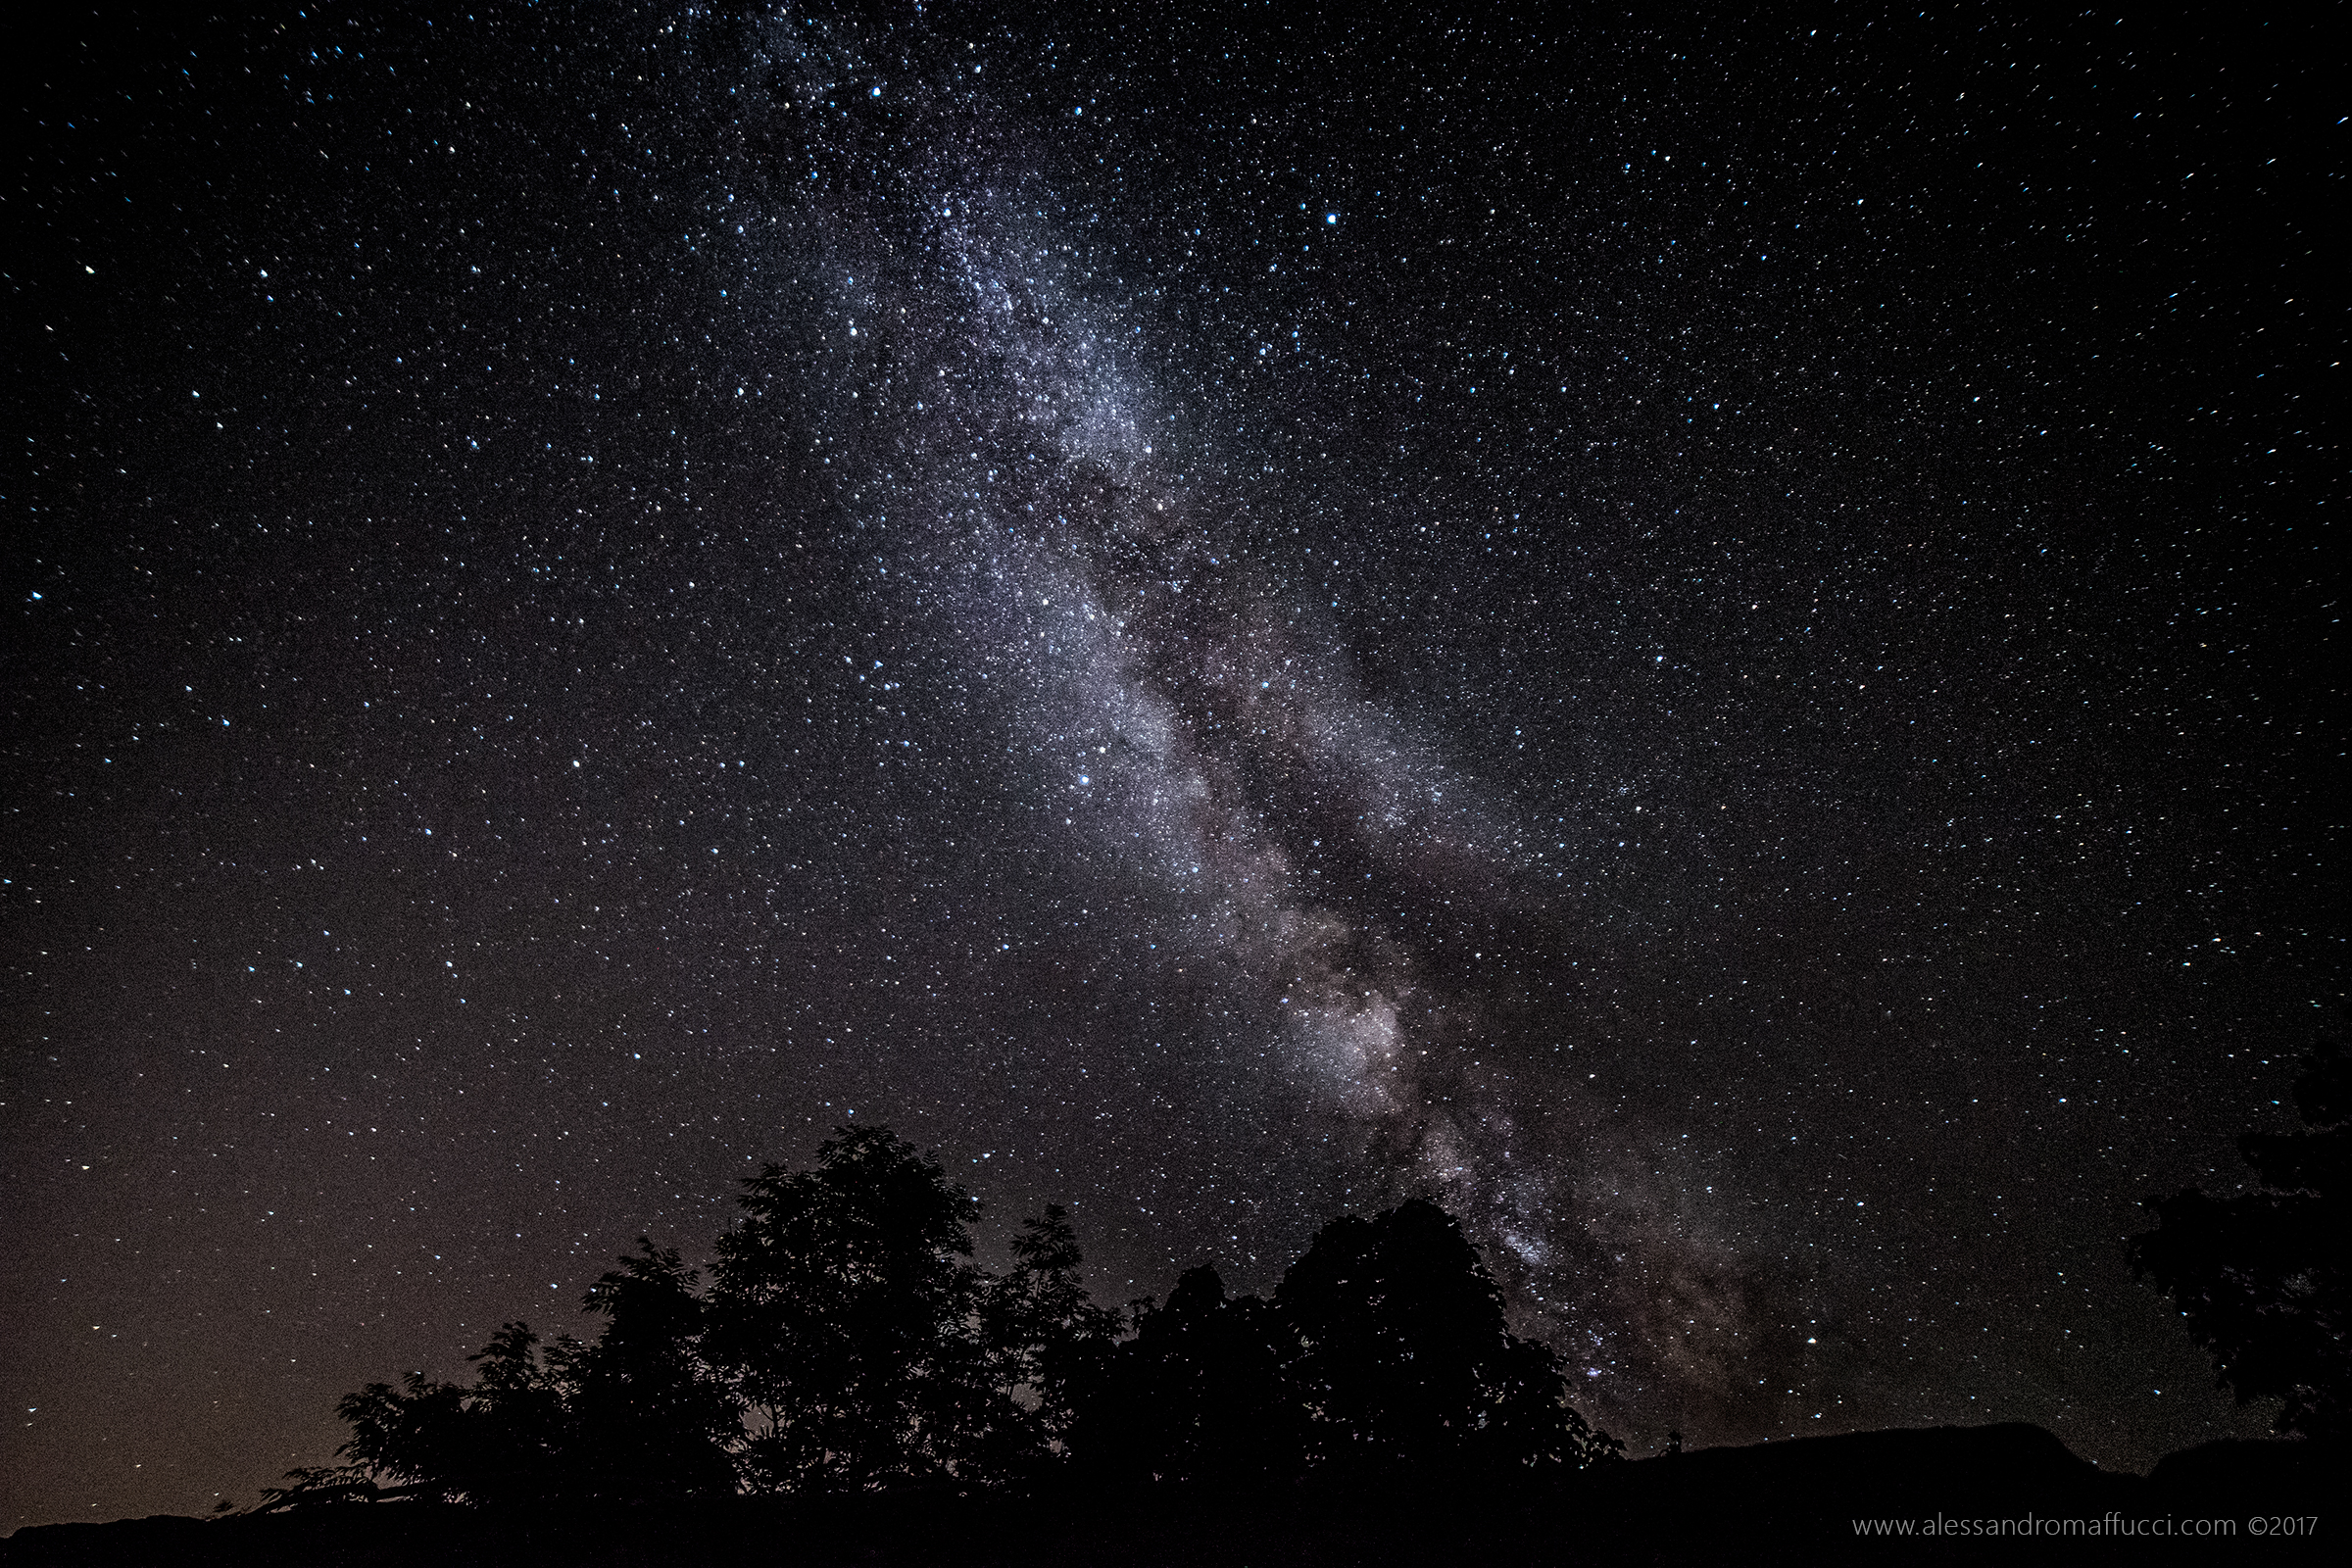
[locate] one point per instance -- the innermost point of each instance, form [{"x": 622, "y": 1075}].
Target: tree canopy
[
  {"x": 842, "y": 1312},
  {"x": 2261, "y": 1277},
  {"x": 1405, "y": 1363},
  {"x": 848, "y": 1342}
]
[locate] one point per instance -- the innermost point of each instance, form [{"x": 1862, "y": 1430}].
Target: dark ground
[{"x": 1779, "y": 1503}]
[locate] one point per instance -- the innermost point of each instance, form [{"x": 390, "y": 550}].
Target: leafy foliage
[
  {"x": 1043, "y": 1342},
  {"x": 842, "y": 1317},
  {"x": 1406, "y": 1363},
  {"x": 649, "y": 1416},
  {"x": 498, "y": 1442},
  {"x": 2262, "y": 1278},
  {"x": 848, "y": 1343},
  {"x": 1200, "y": 1396}
]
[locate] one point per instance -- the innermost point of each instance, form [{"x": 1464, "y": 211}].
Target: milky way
[
  {"x": 1309, "y": 860},
  {"x": 1694, "y": 643}
]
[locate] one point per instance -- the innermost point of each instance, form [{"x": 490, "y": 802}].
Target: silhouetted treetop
[
  {"x": 2262, "y": 1278},
  {"x": 842, "y": 1309},
  {"x": 1200, "y": 1396},
  {"x": 1406, "y": 1362},
  {"x": 500, "y": 1442},
  {"x": 1045, "y": 1341},
  {"x": 849, "y": 1343},
  {"x": 650, "y": 1418}
]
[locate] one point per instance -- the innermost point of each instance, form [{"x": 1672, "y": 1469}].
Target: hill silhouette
[{"x": 1795, "y": 1502}]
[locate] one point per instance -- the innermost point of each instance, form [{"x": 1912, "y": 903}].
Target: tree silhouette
[
  {"x": 1407, "y": 1365},
  {"x": 502, "y": 1441},
  {"x": 648, "y": 1417},
  {"x": 1043, "y": 1340},
  {"x": 2262, "y": 1278},
  {"x": 841, "y": 1315},
  {"x": 516, "y": 1432},
  {"x": 405, "y": 1435},
  {"x": 849, "y": 1343},
  {"x": 1200, "y": 1395}
]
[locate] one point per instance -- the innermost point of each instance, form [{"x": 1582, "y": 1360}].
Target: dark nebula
[{"x": 1704, "y": 641}]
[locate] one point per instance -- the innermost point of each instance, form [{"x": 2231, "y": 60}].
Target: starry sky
[{"x": 1705, "y": 641}]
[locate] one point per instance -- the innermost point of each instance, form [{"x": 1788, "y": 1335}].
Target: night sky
[{"x": 1709, "y": 643}]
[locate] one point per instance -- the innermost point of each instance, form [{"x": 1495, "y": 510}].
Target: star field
[{"x": 1707, "y": 643}]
